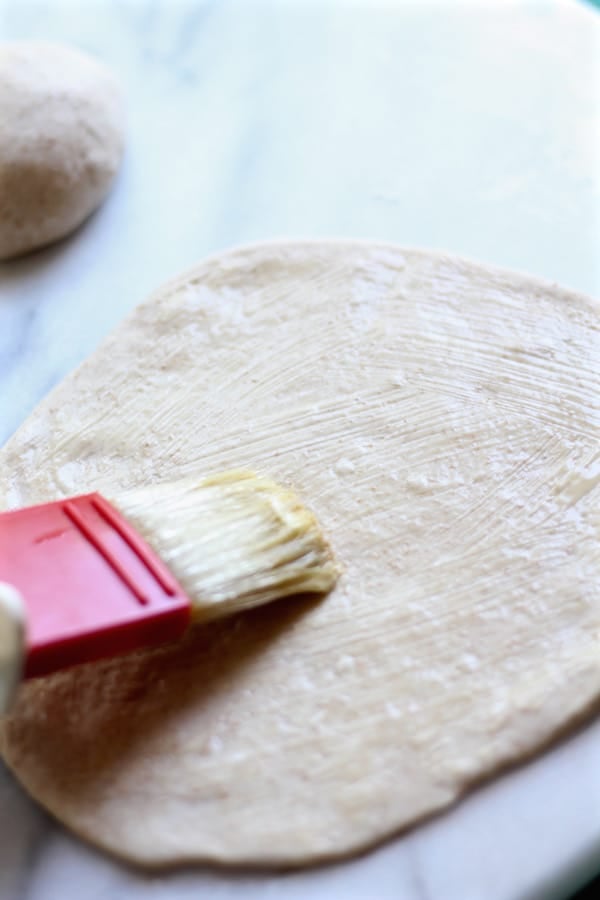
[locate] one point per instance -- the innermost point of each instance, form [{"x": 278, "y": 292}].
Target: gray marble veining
[{"x": 466, "y": 127}]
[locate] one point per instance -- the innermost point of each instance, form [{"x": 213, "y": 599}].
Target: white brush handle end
[{"x": 12, "y": 644}]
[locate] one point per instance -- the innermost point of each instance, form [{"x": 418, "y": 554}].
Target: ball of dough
[{"x": 61, "y": 141}]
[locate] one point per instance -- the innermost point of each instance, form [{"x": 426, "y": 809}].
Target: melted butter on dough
[{"x": 441, "y": 419}]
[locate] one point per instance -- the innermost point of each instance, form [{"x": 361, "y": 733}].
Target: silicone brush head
[
  {"x": 100, "y": 578},
  {"x": 233, "y": 541}
]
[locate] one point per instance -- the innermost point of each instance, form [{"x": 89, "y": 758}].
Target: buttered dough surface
[{"x": 441, "y": 419}]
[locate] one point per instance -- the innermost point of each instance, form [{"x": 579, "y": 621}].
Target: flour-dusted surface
[{"x": 442, "y": 419}]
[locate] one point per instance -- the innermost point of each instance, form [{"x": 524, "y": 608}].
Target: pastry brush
[{"x": 99, "y": 576}]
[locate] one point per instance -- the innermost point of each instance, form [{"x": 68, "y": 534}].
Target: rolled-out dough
[{"x": 441, "y": 419}]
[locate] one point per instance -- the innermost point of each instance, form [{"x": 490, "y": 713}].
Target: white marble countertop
[{"x": 470, "y": 127}]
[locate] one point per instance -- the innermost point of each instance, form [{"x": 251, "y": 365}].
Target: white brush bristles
[{"x": 233, "y": 540}]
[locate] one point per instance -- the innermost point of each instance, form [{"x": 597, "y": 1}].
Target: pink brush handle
[{"x": 91, "y": 585}]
